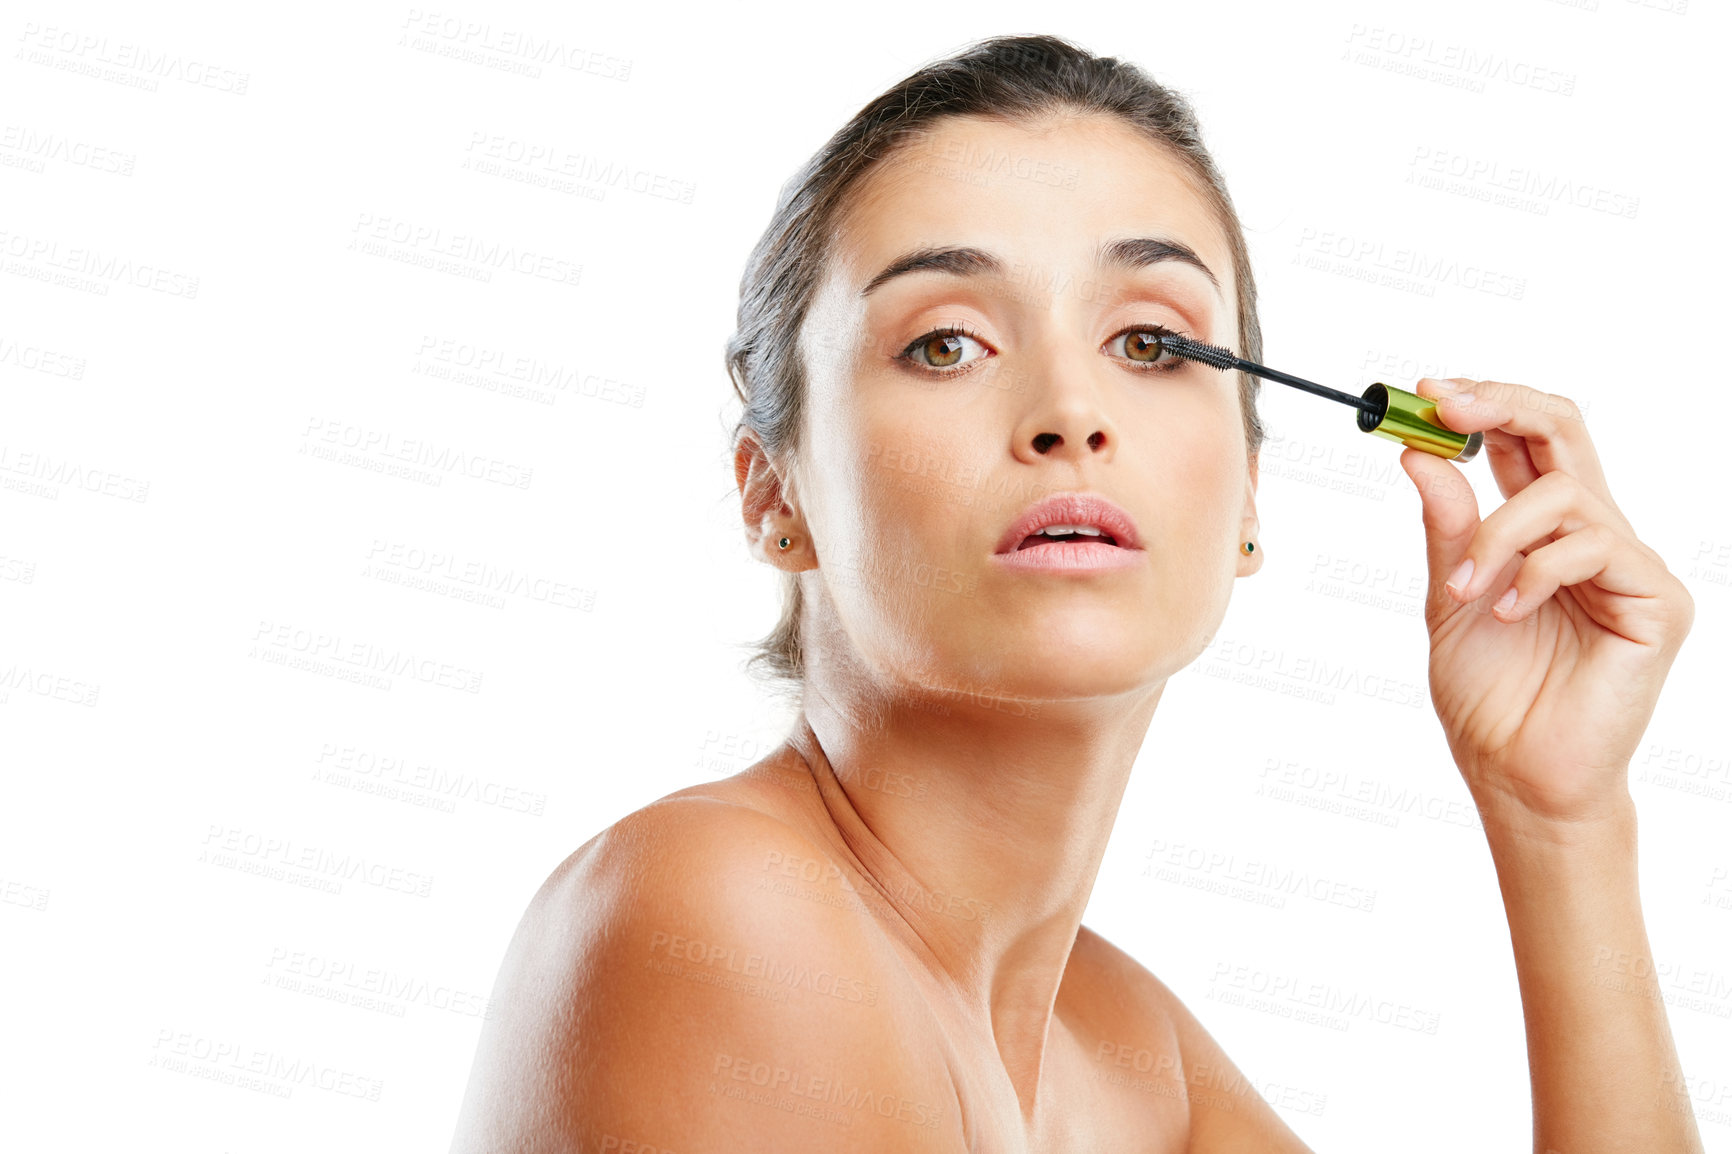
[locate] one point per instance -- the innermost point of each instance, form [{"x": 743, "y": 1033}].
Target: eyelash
[{"x": 907, "y": 354}]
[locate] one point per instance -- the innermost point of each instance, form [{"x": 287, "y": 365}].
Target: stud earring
[
  {"x": 783, "y": 543},
  {"x": 1248, "y": 548}
]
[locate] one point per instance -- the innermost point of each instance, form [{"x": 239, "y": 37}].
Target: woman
[{"x": 871, "y": 940}]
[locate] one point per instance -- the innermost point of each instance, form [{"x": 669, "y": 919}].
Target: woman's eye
[
  {"x": 1142, "y": 345},
  {"x": 941, "y": 350}
]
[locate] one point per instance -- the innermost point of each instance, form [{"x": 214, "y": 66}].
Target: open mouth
[
  {"x": 1075, "y": 530},
  {"x": 1036, "y": 540}
]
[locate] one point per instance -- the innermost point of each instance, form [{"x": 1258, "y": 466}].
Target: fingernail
[
  {"x": 1460, "y": 400},
  {"x": 1508, "y": 599},
  {"x": 1462, "y": 575}
]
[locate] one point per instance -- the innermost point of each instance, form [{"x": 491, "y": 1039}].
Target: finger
[
  {"x": 1505, "y": 453},
  {"x": 1449, "y": 510},
  {"x": 1556, "y": 503},
  {"x": 1556, "y": 436},
  {"x": 1599, "y": 553}
]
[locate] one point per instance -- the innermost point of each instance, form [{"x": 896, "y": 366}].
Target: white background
[{"x": 170, "y": 539}]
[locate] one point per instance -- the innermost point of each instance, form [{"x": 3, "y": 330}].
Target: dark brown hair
[{"x": 1016, "y": 78}]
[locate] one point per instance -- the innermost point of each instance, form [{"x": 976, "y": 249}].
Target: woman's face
[{"x": 908, "y": 478}]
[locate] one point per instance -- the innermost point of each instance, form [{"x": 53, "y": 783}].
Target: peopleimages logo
[
  {"x": 250, "y": 1067},
  {"x": 830, "y": 1090},
  {"x": 1262, "y": 881},
  {"x": 1400, "y": 266},
  {"x": 789, "y": 976},
  {"x": 282, "y": 859},
  {"x": 468, "y": 253},
  {"x": 386, "y": 445},
  {"x": 332, "y": 654}
]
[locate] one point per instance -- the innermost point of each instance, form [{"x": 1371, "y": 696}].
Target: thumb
[{"x": 1450, "y": 511}]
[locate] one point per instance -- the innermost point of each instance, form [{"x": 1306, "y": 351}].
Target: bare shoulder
[
  {"x": 695, "y": 974},
  {"x": 1141, "y": 1040}
]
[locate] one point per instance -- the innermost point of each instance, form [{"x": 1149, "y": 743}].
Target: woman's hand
[{"x": 1543, "y": 701}]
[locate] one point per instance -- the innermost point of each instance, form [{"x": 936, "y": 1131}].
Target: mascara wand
[{"x": 1401, "y": 416}]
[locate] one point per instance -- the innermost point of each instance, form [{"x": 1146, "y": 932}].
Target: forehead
[{"x": 1041, "y": 194}]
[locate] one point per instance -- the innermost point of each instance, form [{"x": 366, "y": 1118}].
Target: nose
[
  {"x": 1068, "y": 425},
  {"x": 1044, "y": 443},
  {"x": 1066, "y": 385}
]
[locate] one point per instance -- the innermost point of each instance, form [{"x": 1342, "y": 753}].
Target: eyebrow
[{"x": 1127, "y": 254}]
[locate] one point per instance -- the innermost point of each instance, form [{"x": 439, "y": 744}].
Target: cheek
[
  {"x": 1199, "y": 483},
  {"x": 916, "y": 484},
  {"x": 890, "y": 490},
  {"x": 1199, "y": 435}
]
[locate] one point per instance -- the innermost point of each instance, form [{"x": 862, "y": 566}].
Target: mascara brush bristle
[{"x": 1198, "y": 351}]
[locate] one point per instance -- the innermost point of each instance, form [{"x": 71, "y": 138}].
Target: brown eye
[
  {"x": 943, "y": 350},
  {"x": 1137, "y": 348}
]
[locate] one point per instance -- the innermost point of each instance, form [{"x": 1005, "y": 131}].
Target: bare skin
[{"x": 872, "y": 940}]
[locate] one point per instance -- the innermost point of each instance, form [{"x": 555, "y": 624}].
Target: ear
[
  {"x": 766, "y": 508},
  {"x": 1248, "y": 524}
]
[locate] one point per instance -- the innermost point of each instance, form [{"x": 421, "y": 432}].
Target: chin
[{"x": 1050, "y": 668}]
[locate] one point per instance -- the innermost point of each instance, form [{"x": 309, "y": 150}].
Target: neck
[{"x": 982, "y": 823}]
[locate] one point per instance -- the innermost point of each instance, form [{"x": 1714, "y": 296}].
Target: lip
[
  {"x": 1070, "y": 557},
  {"x": 1074, "y": 509}
]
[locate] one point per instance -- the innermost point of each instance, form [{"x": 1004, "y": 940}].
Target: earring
[
  {"x": 1248, "y": 548},
  {"x": 783, "y": 543}
]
